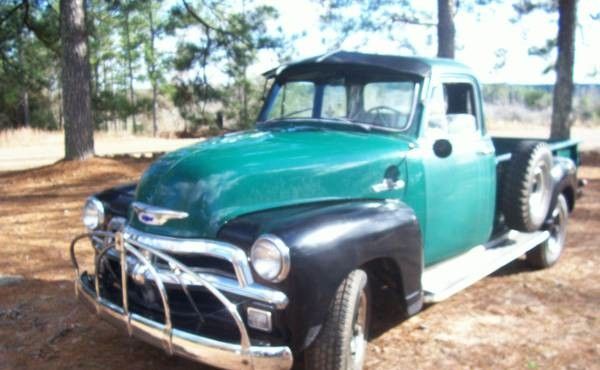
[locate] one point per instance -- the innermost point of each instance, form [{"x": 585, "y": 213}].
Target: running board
[{"x": 443, "y": 279}]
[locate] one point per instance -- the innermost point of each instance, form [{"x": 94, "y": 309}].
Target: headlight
[
  {"x": 93, "y": 213},
  {"x": 270, "y": 258}
]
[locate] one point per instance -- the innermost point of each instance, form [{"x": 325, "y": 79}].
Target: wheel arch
[
  {"x": 388, "y": 303},
  {"x": 564, "y": 175},
  {"x": 384, "y": 275},
  {"x": 569, "y": 194}
]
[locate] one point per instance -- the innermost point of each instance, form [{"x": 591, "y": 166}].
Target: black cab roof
[{"x": 401, "y": 64}]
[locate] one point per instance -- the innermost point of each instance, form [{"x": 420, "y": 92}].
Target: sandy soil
[
  {"x": 23, "y": 149},
  {"x": 517, "y": 318},
  {"x": 31, "y": 149},
  {"x": 588, "y": 135}
]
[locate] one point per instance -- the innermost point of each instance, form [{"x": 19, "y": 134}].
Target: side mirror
[{"x": 442, "y": 148}]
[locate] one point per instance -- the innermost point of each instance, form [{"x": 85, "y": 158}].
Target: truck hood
[{"x": 219, "y": 179}]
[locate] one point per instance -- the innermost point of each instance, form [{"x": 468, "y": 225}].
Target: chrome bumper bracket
[{"x": 172, "y": 340}]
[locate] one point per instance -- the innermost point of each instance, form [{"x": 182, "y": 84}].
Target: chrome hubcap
[
  {"x": 557, "y": 230},
  {"x": 358, "y": 343}
]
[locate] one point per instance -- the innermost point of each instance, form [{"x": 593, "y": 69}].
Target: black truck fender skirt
[
  {"x": 564, "y": 181},
  {"x": 117, "y": 199},
  {"x": 327, "y": 241}
]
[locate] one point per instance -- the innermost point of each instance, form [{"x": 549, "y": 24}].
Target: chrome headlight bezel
[
  {"x": 270, "y": 258},
  {"x": 90, "y": 220}
]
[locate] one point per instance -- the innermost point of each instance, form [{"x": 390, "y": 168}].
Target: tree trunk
[
  {"x": 152, "y": 66},
  {"x": 79, "y": 130},
  {"x": 25, "y": 99},
  {"x": 154, "y": 98},
  {"x": 245, "y": 114},
  {"x": 60, "y": 110},
  {"x": 24, "y": 93},
  {"x": 562, "y": 102},
  {"x": 205, "y": 55},
  {"x": 130, "y": 68},
  {"x": 445, "y": 29}
]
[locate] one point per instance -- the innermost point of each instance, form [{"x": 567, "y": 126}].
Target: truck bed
[
  {"x": 505, "y": 146},
  {"x": 561, "y": 148}
]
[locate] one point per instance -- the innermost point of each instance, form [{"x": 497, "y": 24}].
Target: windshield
[{"x": 383, "y": 102}]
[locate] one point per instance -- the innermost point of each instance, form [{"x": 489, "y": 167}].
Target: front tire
[
  {"x": 548, "y": 253},
  {"x": 342, "y": 342}
]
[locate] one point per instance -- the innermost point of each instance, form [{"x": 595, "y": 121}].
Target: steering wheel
[{"x": 379, "y": 110}]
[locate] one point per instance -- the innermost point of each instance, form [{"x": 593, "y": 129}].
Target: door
[{"x": 459, "y": 187}]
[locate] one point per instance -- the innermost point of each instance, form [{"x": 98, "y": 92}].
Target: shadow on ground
[
  {"x": 514, "y": 319},
  {"x": 42, "y": 326}
]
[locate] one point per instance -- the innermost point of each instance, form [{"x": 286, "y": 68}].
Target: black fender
[
  {"x": 327, "y": 241},
  {"x": 117, "y": 200},
  {"x": 564, "y": 181}
]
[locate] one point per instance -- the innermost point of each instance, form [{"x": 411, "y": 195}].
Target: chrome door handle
[
  {"x": 485, "y": 151},
  {"x": 387, "y": 184}
]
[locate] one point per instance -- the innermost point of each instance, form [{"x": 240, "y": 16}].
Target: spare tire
[{"x": 527, "y": 187}]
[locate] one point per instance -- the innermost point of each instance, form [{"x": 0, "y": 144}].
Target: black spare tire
[{"x": 527, "y": 187}]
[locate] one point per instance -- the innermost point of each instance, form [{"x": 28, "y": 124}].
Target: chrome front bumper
[{"x": 174, "y": 341}]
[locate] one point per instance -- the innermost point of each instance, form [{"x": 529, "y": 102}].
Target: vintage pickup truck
[{"x": 366, "y": 177}]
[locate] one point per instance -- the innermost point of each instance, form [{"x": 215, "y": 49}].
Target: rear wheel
[
  {"x": 342, "y": 342},
  {"x": 546, "y": 254}
]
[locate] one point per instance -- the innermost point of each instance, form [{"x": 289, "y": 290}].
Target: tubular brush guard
[{"x": 172, "y": 340}]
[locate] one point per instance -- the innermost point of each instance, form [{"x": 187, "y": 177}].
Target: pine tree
[
  {"x": 79, "y": 129},
  {"x": 231, "y": 39},
  {"x": 562, "y": 103},
  {"x": 564, "y": 44},
  {"x": 389, "y": 16}
]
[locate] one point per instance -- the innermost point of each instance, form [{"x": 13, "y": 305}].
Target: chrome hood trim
[{"x": 156, "y": 216}]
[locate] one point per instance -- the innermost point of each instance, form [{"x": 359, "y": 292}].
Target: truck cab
[
  {"x": 367, "y": 176},
  {"x": 458, "y": 165}
]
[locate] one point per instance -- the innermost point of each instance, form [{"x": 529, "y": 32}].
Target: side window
[
  {"x": 461, "y": 114},
  {"x": 437, "y": 123},
  {"x": 294, "y": 99},
  {"x": 452, "y": 109},
  {"x": 334, "y": 101}
]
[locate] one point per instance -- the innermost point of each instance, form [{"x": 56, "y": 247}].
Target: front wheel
[
  {"x": 342, "y": 342},
  {"x": 547, "y": 253}
]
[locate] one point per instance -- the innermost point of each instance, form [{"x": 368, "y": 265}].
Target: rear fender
[{"x": 564, "y": 176}]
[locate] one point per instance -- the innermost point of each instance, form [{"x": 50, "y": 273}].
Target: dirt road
[{"x": 517, "y": 318}]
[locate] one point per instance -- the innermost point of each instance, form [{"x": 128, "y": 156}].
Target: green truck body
[{"x": 366, "y": 176}]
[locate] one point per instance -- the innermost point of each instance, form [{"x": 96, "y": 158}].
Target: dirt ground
[
  {"x": 24, "y": 149},
  {"x": 517, "y": 318}
]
